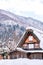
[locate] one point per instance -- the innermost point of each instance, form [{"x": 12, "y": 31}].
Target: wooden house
[{"x": 27, "y": 47}]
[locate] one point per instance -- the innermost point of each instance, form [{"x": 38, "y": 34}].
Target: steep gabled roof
[
  {"x": 25, "y": 36},
  {"x": 22, "y": 40}
]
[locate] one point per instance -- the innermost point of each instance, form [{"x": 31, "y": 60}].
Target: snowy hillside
[
  {"x": 13, "y": 26},
  {"x": 25, "y": 21},
  {"x": 21, "y": 62}
]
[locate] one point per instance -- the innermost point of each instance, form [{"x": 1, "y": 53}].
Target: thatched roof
[
  {"x": 22, "y": 40},
  {"x": 25, "y": 36}
]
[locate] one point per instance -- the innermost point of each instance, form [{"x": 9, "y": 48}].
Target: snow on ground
[{"x": 21, "y": 62}]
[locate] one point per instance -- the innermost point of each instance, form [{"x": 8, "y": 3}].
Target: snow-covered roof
[
  {"x": 25, "y": 36},
  {"x": 30, "y": 51},
  {"x": 38, "y": 33}
]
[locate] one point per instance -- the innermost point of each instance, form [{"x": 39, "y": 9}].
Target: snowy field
[{"x": 21, "y": 62}]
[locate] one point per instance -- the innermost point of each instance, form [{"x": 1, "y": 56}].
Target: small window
[
  {"x": 31, "y": 46},
  {"x": 30, "y": 38},
  {"x": 36, "y": 45}
]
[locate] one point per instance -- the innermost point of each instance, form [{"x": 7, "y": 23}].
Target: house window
[
  {"x": 30, "y": 38},
  {"x": 36, "y": 45},
  {"x": 24, "y": 46},
  {"x": 31, "y": 46}
]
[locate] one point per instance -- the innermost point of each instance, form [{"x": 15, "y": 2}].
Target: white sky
[{"x": 28, "y": 8}]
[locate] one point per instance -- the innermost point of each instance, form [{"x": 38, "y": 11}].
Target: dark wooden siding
[
  {"x": 36, "y": 56},
  {"x": 17, "y": 54}
]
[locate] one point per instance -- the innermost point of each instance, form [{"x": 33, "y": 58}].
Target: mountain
[
  {"x": 6, "y": 16},
  {"x": 10, "y": 22},
  {"x": 12, "y": 26}
]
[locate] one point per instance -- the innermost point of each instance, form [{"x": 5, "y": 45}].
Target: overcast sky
[{"x": 28, "y": 8}]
